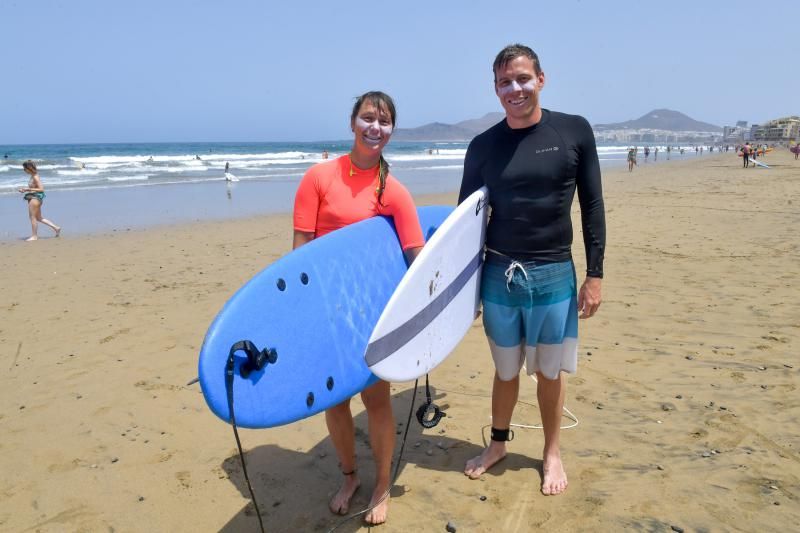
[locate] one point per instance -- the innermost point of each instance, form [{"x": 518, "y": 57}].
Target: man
[{"x": 532, "y": 162}]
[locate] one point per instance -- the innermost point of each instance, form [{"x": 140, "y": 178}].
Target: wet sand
[{"x": 685, "y": 390}]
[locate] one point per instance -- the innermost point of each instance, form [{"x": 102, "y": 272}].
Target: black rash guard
[{"x": 532, "y": 174}]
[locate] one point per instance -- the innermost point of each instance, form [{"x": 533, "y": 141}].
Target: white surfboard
[
  {"x": 759, "y": 163},
  {"x": 230, "y": 177},
  {"x": 437, "y": 300}
]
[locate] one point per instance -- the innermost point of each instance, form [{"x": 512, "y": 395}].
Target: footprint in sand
[
  {"x": 185, "y": 478},
  {"x": 114, "y": 335},
  {"x": 738, "y": 377}
]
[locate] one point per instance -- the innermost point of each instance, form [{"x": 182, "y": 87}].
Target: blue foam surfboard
[{"x": 316, "y": 308}]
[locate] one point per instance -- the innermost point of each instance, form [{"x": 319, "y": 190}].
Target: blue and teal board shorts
[{"x": 530, "y": 315}]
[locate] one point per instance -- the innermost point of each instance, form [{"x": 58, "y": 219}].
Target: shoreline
[
  {"x": 99, "y": 211},
  {"x": 102, "y": 211},
  {"x": 685, "y": 390}
]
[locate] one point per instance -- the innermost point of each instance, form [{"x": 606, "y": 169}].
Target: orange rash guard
[{"x": 329, "y": 198}]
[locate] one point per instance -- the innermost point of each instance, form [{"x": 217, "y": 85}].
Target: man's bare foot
[
  {"x": 340, "y": 503},
  {"x": 555, "y": 478},
  {"x": 493, "y": 454},
  {"x": 377, "y": 515},
  {"x": 33, "y": 238},
  {"x": 58, "y": 231}
]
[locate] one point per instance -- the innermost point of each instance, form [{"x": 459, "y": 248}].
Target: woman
[
  {"x": 331, "y": 195},
  {"x": 34, "y": 194},
  {"x": 631, "y": 159}
]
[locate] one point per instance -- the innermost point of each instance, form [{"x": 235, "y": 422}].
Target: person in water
[
  {"x": 533, "y": 162},
  {"x": 334, "y": 194},
  {"x": 34, "y": 195}
]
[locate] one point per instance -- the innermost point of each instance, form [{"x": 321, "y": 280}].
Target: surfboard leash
[
  {"x": 256, "y": 360},
  {"x": 429, "y": 414}
]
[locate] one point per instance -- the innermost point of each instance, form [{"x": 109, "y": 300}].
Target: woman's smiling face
[{"x": 372, "y": 126}]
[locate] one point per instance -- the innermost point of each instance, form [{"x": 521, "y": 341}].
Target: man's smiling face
[{"x": 517, "y": 86}]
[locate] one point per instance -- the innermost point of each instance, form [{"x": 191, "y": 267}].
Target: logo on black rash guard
[{"x": 551, "y": 149}]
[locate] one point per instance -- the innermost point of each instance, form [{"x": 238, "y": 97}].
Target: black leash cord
[
  {"x": 396, "y": 467},
  {"x": 429, "y": 414},
  {"x": 229, "y": 386}
]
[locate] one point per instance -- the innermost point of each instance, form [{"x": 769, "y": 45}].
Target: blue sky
[{"x": 105, "y": 71}]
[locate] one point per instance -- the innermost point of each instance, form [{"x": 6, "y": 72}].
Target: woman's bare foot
[
  {"x": 554, "y": 477},
  {"x": 58, "y": 231},
  {"x": 340, "y": 503},
  {"x": 377, "y": 515},
  {"x": 493, "y": 454},
  {"x": 32, "y": 238}
]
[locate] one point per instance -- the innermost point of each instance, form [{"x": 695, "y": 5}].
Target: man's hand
[{"x": 589, "y": 297}]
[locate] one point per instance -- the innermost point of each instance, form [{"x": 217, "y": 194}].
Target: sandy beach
[{"x": 685, "y": 392}]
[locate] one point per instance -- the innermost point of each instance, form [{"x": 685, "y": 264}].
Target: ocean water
[
  {"x": 104, "y": 188},
  {"x": 82, "y": 166}
]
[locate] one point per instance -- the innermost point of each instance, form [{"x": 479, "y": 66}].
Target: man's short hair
[{"x": 511, "y": 52}]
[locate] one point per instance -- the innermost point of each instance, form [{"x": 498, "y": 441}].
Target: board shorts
[{"x": 530, "y": 315}]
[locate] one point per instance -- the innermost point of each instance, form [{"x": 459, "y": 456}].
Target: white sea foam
[
  {"x": 173, "y": 170},
  {"x": 426, "y": 157},
  {"x": 186, "y": 158},
  {"x": 4, "y": 168},
  {"x": 434, "y": 167},
  {"x": 140, "y": 177},
  {"x": 256, "y": 163},
  {"x": 82, "y": 172}
]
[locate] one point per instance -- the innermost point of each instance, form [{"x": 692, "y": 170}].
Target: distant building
[
  {"x": 734, "y": 134},
  {"x": 742, "y": 124},
  {"x": 780, "y": 129}
]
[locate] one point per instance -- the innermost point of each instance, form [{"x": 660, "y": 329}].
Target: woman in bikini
[
  {"x": 333, "y": 194},
  {"x": 34, "y": 195}
]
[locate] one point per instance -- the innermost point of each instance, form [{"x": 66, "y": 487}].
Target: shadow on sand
[{"x": 293, "y": 487}]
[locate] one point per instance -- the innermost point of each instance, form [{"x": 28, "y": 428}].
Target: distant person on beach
[
  {"x": 334, "y": 194},
  {"x": 324, "y": 154},
  {"x": 532, "y": 162},
  {"x": 197, "y": 157},
  {"x": 631, "y": 159},
  {"x": 655, "y": 154},
  {"x": 746, "y": 155},
  {"x": 227, "y": 167},
  {"x": 34, "y": 195},
  {"x": 646, "y": 153}
]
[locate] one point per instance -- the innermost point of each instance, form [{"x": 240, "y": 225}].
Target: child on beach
[
  {"x": 331, "y": 195},
  {"x": 34, "y": 195}
]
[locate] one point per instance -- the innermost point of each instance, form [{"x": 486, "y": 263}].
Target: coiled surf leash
[{"x": 429, "y": 414}]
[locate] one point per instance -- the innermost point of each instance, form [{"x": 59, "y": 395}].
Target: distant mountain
[
  {"x": 438, "y": 131},
  {"x": 658, "y": 119},
  {"x": 479, "y": 125},
  {"x": 661, "y": 119}
]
